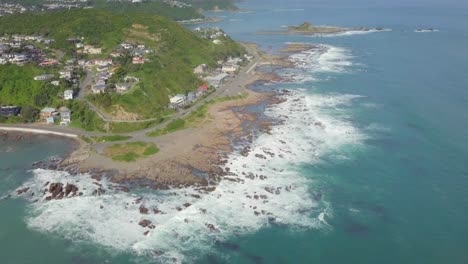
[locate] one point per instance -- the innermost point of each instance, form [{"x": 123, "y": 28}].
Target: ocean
[{"x": 369, "y": 163}]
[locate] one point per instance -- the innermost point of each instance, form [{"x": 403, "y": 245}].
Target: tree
[{"x": 29, "y": 114}]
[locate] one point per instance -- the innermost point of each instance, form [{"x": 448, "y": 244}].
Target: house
[
  {"x": 203, "y": 89},
  {"x": 43, "y": 77},
  {"x": 138, "y": 60},
  {"x": 103, "y": 63},
  {"x": 217, "y": 42},
  {"x": 200, "y": 69},
  {"x": 116, "y": 54},
  {"x": 49, "y": 62},
  {"x": 50, "y": 120},
  {"x": 122, "y": 87},
  {"x": 92, "y": 50},
  {"x": 191, "y": 97},
  {"x": 65, "y": 116},
  {"x": 98, "y": 88},
  {"x": 10, "y": 111},
  {"x": 79, "y": 45},
  {"x": 217, "y": 79},
  {"x": 131, "y": 79},
  {"x": 65, "y": 75},
  {"x": 47, "y": 113},
  {"x": 55, "y": 83},
  {"x": 230, "y": 68},
  {"x": 68, "y": 95},
  {"x": 177, "y": 101}
]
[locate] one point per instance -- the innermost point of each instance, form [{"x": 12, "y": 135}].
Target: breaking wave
[
  {"x": 353, "y": 33},
  {"x": 319, "y": 59},
  {"x": 264, "y": 187}
]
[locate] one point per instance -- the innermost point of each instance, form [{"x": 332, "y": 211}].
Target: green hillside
[{"x": 177, "y": 51}]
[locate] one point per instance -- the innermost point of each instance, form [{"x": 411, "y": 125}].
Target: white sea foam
[
  {"x": 264, "y": 188},
  {"x": 352, "y": 33},
  {"x": 320, "y": 59},
  {"x": 426, "y": 30}
]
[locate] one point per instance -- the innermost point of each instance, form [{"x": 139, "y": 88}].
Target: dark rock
[
  {"x": 212, "y": 228},
  {"x": 143, "y": 210},
  {"x": 145, "y": 223},
  {"x": 21, "y": 191},
  {"x": 70, "y": 189},
  {"x": 260, "y": 156}
]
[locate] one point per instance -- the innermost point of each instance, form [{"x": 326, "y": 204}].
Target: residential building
[
  {"x": 68, "y": 95},
  {"x": 177, "y": 101},
  {"x": 230, "y": 68},
  {"x": 47, "y": 113},
  {"x": 65, "y": 116},
  {"x": 138, "y": 60},
  {"x": 98, "y": 88},
  {"x": 65, "y": 75},
  {"x": 10, "y": 111},
  {"x": 92, "y": 50},
  {"x": 200, "y": 69},
  {"x": 43, "y": 77},
  {"x": 122, "y": 87}
]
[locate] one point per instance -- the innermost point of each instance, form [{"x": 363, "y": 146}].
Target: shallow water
[{"x": 369, "y": 165}]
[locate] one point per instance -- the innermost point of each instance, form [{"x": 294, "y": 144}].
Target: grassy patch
[
  {"x": 130, "y": 151},
  {"x": 112, "y": 138},
  {"x": 173, "y": 126},
  {"x": 195, "y": 118}
]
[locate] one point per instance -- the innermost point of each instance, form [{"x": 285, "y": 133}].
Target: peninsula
[{"x": 308, "y": 28}]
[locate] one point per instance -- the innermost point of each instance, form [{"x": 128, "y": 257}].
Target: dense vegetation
[
  {"x": 152, "y": 7},
  {"x": 148, "y": 7},
  {"x": 169, "y": 70}
]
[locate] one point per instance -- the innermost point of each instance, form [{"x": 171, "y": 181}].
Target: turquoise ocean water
[{"x": 383, "y": 180}]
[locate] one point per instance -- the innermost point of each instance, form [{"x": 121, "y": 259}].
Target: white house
[
  {"x": 230, "y": 68},
  {"x": 65, "y": 116},
  {"x": 43, "y": 77},
  {"x": 122, "y": 87},
  {"x": 178, "y": 100},
  {"x": 68, "y": 94}
]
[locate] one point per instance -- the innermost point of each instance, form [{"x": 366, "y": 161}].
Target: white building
[{"x": 68, "y": 94}]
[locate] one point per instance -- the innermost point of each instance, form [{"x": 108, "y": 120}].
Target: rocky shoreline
[{"x": 211, "y": 143}]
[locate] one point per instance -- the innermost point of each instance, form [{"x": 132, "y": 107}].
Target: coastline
[
  {"x": 189, "y": 157},
  {"x": 36, "y": 131}
]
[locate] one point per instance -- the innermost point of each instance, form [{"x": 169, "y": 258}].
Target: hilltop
[{"x": 174, "y": 9}]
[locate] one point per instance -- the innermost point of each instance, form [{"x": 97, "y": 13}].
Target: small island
[{"x": 308, "y": 28}]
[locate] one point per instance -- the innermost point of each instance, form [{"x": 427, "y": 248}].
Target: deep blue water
[{"x": 397, "y": 196}]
